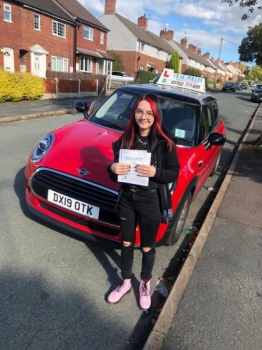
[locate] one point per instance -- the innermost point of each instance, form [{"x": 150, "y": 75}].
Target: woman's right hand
[{"x": 120, "y": 168}]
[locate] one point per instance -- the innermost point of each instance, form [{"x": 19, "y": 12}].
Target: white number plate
[{"x": 73, "y": 205}]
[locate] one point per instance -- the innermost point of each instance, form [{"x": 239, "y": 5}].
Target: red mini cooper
[{"x": 66, "y": 178}]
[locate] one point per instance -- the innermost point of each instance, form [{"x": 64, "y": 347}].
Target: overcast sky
[{"x": 203, "y": 22}]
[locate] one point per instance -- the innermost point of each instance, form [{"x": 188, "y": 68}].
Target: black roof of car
[{"x": 166, "y": 91}]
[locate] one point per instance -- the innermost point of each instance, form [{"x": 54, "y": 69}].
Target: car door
[{"x": 207, "y": 154}]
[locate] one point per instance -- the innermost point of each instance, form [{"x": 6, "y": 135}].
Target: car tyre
[
  {"x": 179, "y": 222},
  {"x": 213, "y": 172}
]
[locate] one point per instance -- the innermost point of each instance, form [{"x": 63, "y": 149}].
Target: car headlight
[{"x": 42, "y": 147}]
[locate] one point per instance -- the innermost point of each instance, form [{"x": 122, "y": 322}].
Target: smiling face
[{"x": 144, "y": 117}]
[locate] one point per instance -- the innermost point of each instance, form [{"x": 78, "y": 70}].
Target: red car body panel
[{"x": 86, "y": 145}]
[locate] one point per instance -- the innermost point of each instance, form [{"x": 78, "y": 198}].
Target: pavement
[{"x": 216, "y": 301}]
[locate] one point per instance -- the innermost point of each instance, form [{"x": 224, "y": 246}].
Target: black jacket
[{"x": 167, "y": 168}]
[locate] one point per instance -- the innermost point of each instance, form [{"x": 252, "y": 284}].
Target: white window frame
[
  {"x": 8, "y": 12},
  {"x": 37, "y": 22},
  {"x": 90, "y": 33},
  {"x": 55, "y": 60},
  {"x": 56, "y": 27},
  {"x": 102, "y": 38},
  {"x": 86, "y": 64}
]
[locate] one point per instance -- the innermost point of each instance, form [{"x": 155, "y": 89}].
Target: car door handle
[{"x": 200, "y": 163}]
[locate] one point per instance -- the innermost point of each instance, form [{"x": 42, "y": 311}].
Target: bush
[
  {"x": 20, "y": 86},
  {"x": 193, "y": 71},
  {"x": 143, "y": 77}
]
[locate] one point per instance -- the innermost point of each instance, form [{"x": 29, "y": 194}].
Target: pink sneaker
[
  {"x": 116, "y": 295},
  {"x": 144, "y": 294}
]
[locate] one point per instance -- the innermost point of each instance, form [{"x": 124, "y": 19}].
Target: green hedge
[
  {"x": 143, "y": 77},
  {"x": 20, "y": 86}
]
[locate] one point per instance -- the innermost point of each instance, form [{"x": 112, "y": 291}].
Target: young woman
[{"x": 143, "y": 204}]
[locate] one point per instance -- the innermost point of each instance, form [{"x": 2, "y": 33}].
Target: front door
[
  {"x": 38, "y": 66},
  {"x": 9, "y": 60}
]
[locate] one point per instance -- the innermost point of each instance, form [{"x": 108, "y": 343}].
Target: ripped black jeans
[{"x": 140, "y": 207}]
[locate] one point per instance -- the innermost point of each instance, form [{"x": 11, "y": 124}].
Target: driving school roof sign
[{"x": 168, "y": 77}]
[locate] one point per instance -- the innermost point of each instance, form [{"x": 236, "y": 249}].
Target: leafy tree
[
  {"x": 252, "y": 5},
  {"x": 118, "y": 63},
  {"x": 193, "y": 71},
  {"x": 251, "y": 47},
  {"x": 255, "y": 73},
  {"x": 175, "y": 62}
]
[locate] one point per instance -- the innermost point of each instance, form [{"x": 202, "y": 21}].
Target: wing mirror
[
  {"x": 82, "y": 106},
  {"x": 216, "y": 139}
]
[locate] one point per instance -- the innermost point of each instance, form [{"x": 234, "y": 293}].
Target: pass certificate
[{"x": 134, "y": 157}]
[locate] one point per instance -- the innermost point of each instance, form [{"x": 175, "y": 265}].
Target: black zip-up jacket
[{"x": 167, "y": 168}]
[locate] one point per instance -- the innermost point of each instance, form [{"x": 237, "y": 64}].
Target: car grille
[
  {"x": 92, "y": 225},
  {"x": 78, "y": 189}
]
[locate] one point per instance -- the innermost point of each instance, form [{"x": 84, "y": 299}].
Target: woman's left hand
[{"x": 146, "y": 170}]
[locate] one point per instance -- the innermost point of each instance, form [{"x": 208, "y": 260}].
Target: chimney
[
  {"x": 217, "y": 61},
  {"x": 212, "y": 59},
  {"x": 198, "y": 51},
  {"x": 184, "y": 42},
  {"x": 110, "y": 6},
  {"x": 142, "y": 22},
  {"x": 206, "y": 55},
  {"x": 192, "y": 47},
  {"x": 167, "y": 34}
]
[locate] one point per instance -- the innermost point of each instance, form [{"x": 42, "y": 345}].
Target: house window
[
  {"x": 7, "y": 13},
  {"x": 37, "y": 22},
  {"x": 88, "y": 33},
  {"x": 141, "y": 67},
  {"x": 101, "y": 38},
  {"x": 86, "y": 64},
  {"x": 59, "y": 64},
  {"x": 59, "y": 29}
]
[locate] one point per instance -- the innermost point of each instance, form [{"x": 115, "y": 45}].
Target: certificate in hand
[{"x": 134, "y": 157}]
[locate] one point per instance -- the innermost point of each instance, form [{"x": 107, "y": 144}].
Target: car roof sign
[{"x": 189, "y": 82}]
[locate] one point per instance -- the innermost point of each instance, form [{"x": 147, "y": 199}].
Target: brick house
[
  {"x": 191, "y": 55},
  {"x": 38, "y": 37},
  {"x": 43, "y": 36},
  {"x": 90, "y": 40},
  {"x": 139, "y": 48}
]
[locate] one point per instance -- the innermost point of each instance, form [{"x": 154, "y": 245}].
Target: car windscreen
[{"x": 179, "y": 118}]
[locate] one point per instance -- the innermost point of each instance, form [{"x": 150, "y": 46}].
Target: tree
[
  {"x": 255, "y": 73},
  {"x": 250, "y": 49},
  {"x": 118, "y": 63},
  {"x": 175, "y": 62},
  {"x": 252, "y": 5}
]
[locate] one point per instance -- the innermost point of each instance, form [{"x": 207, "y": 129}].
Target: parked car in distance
[
  {"x": 244, "y": 86},
  {"x": 229, "y": 86},
  {"x": 121, "y": 76},
  {"x": 238, "y": 86},
  {"x": 66, "y": 179},
  {"x": 256, "y": 94},
  {"x": 155, "y": 80},
  {"x": 253, "y": 84}
]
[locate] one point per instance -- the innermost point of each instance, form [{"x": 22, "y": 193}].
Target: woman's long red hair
[{"x": 157, "y": 131}]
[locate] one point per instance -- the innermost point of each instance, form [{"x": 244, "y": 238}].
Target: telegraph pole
[{"x": 218, "y": 58}]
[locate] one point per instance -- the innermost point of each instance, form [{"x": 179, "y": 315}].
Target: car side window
[{"x": 209, "y": 119}]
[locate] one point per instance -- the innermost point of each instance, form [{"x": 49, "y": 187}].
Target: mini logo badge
[{"x": 83, "y": 171}]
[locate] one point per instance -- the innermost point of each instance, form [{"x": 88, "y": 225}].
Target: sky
[{"x": 213, "y": 26}]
